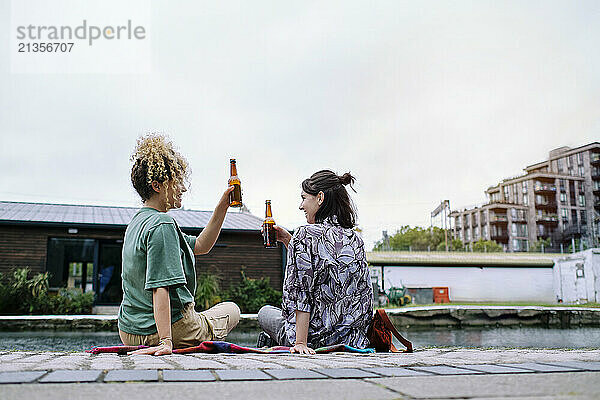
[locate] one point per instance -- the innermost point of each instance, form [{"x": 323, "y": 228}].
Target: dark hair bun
[{"x": 346, "y": 179}]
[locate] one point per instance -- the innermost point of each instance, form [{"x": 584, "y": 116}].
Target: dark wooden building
[{"x": 80, "y": 246}]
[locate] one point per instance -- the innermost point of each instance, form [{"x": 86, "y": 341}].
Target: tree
[
  {"x": 487, "y": 246},
  {"x": 416, "y": 239},
  {"x": 455, "y": 245},
  {"x": 540, "y": 244}
]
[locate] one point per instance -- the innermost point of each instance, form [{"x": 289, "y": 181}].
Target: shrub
[
  {"x": 207, "y": 291},
  {"x": 487, "y": 246},
  {"x": 20, "y": 294},
  {"x": 251, "y": 294}
]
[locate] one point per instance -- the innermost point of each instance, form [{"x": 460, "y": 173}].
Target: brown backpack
[{"x": 380, "y": 334}]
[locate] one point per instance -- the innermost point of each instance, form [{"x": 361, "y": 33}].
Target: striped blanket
[{"x": 226, "y": 347}]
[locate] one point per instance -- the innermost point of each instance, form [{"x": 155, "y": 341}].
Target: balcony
[
  {"x": 500, "y": 237},
  {"x": 544, "y": 188},
  {"x": 546, "y": 205},
  {"x": 596, "y": 173},
  {"x": 549, "y": 219},
  {"x": 498, "y": 219},
  {"x": 574, "y": 231}
]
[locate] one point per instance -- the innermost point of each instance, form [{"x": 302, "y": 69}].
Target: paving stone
[
  {"x": 585, "y": 365},
  {"x": 577, "y": 385},
  {"x": 347, "y": 389},
  {"x": 11, "y": 356},
  {"x": 299, "y": 364},
  {"x": 20, "y": 376},
  {"x": 124, "y": 375},
  {"x": 109, "y": 366},
  {"x": 155, "y": 365},
  {"x": 16, "y": 367},
  {"x": 345, "y": 373},
  {"x": 446, "y": 370},
  {"x": 494, "y": 369},
  {"x": 395, "y": 371},
  {"x": 36, "y": 358},
  {"x": 295, "y": 374},
  {"x": 245, "y": 363},
  {"x": 242, "y": 375},
  {"x": 194, "y": 363},
  {"x": 67, "y": 376},
  {"x": 542, "y": 367},
  {"x": 188, "y": 376}
]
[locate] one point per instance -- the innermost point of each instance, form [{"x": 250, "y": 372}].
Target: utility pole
[{"x": 444, "y": 209}]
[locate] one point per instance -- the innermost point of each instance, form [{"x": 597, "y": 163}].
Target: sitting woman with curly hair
[{"x": 159, "y": 276}]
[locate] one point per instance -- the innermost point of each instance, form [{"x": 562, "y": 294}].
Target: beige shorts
[{"x": 194, "y": 328}]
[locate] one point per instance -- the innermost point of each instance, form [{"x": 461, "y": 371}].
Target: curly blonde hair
[{"x": 155, "y": 159}]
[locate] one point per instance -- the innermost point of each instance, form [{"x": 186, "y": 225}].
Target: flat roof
[
  {"x": 461, "y": 259},
  {"x": 16, "y": 213},
  {"x": 563, "y": 154}
]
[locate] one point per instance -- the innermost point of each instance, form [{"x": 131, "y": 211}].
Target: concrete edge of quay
[{"x": 447, "y": 316}]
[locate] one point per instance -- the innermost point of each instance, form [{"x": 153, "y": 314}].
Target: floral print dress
[{"x": 327, "y": 275}]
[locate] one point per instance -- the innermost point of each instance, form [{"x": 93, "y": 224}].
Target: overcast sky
[{"x": 421, "y": 101}]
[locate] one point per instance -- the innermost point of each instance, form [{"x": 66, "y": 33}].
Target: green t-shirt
[{"x": 155, "y": 254}]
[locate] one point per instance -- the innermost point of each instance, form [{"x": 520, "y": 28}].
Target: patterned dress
[{"x": 327, "y": 275}]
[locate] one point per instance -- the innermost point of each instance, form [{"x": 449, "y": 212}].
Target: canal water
[{"x": 527, "y": 338}]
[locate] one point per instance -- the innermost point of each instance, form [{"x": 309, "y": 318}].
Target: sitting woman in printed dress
[{"x": 327, "y": 292}]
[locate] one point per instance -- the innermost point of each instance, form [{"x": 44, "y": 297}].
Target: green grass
[{"x": 588, "y": 305}]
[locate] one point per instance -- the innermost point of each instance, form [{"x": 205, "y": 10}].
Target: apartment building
[{"x": 558, "y": 198}]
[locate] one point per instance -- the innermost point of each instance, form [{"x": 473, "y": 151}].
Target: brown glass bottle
[
  {"x": 269, "y": 232},
  {"x": 235, "y": 197}
]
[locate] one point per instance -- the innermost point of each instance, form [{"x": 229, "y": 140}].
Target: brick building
[{"x": 80, "y": 246}]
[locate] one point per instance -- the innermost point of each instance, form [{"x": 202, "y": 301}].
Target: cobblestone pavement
[
  {"x": 430, "y": 373},
  {"x": 43, "y": 367}
]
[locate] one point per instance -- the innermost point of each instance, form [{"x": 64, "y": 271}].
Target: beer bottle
[
  {"x": 269, "y": 232},
  {"x": 235, "y": 197}
]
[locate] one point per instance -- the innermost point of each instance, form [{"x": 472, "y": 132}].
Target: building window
[
  {"x": 574, "y": 217},
  {"x": 565, "y": 216},
  {"x": 476, "y": 233},
  {"x": 513, "y": 213},
  {"x": 506, "y": 192},
  {"x": 563, "y": 185},
  {"x": 579, "y": 158},
  {"x": 560, "y": 165},
  {"x": 485, "y": 232},
  {"x": 582, "y": 217},
  {"x": 71, "y": 263},
  {"x": 580, "y": 186},
  {"x": 526, "y": 200},
  {"x": 86, "y": 265},
  {"x": 563, "y": 198},
  {"x": 581, "y": 200},
  {"x": 581, "y": 170}
]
